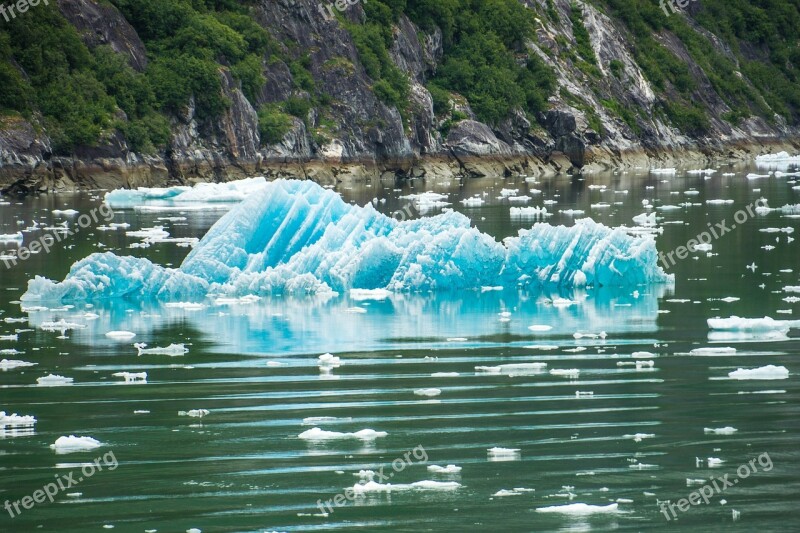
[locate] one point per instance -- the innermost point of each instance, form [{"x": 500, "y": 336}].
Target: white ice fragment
[
  {"x": 53, "y": 380},
  {"x": 727, "y": 430},
  {"x": 75, "y": 444},
  {"x": 318, "y": 434},
  {"x": 194, "y": 413},
  {"x": 580, "y": 509},
  {"x": 428, "y": 392},
  {"x": 131, "y": 377},
  {"x": 449, "y": 469},
  {"x": 764, "y": 372},
  {"x": 173, "y": 350},
  {"x": 726, "y": 350},
  {"x": 120, "y": 335}
]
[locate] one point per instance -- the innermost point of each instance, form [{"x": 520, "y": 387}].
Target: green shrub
[{"x": 273, "y": 124}]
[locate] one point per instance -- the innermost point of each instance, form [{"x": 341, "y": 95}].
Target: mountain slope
[{"x": 110, "y": 92}]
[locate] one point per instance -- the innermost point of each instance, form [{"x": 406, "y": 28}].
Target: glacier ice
[
  {"x": 294, "y": 237},
  {"x": 184, "y": 196}
]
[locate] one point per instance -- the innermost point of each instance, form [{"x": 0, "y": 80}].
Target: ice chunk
[
  {"x": 736, "y": 323},
  {"x": 713, "y": 351},
  {"x": 120, "y": 335},
  {"x": 503, "y": 454},
  {"x": 53, "y": 380},
  {"x": 9, "y": 364},
  {"x": 172, "y": 350},
  {"x": 514, "y": 369},
  {"x": 580, "y": 509},
  {"x": 131, "y": 377},
  {"x": 449, "y": 469},
  {"x": 231, "y": 192},
  {"x": 75, "y": 444},
  {"x": 317, "y": 434},
  {"x": 428, "y": 392},
  {"x": 15, "y": 420},
  {"x": 727, "y": 430},
  {"x": 764, "y": 372},
  {"x": 194, "y": 413},
  {"x": 374, "y": 487},
  {"x": 296, "y": 237}
]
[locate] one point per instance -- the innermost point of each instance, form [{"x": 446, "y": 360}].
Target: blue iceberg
[{"x": 294, "y": 237}]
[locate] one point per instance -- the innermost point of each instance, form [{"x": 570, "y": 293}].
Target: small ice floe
[
  {"x": 754, "y": 176},
  {"x": 528, "y": 213},
  {"x": 428, "y": 392},
  {"x": 318, "y": 434},
  {"x": 186, "y": 306},
  {"x": 601, "y": 335},
  {"x": 10, "y": 364},
  {"x": 668, "y": 207},
  {"x": 645, "y": 219},
  {"x": 726, "y": 350},
  {"x": 463, "y": 339},
  {"x": 62, "y": 326},
  {"x": 503, "y": 454},
  {"x": 513, "y": 369},
  {"x": 15, "y": 420},
  {"x": 562, "y": 302},
  {"x": 718, "y": 202},
  {"x": 449, "y": 469},
  {"x": 473, "y": 202},
  {"x": 624, "y": 500},
  {"x": 372, "y": 487},
  {"x": 445, "y": 375},
  {"x": 65, "y": 212},
  {"x": 328, "y": 360},
  {"x": 701, "y": 171},
  {"x": 714, "y": 462},
  {"x": 194, "y": 413},
  {"x": 173, "y": 350},
  {"x": 565, "y": 372},
  {"x": 369, "y": 294},
  {"x": 502, "y": 493},
  {"x": 131, "y": 377},
  {"x": 736, "y": 323},
  {"x": 791, "y": 288},
  {"x": 75, "y": 444},
  {"x": 667, "y": 171},
  {"x": 694, "y": 481},
  {"x": 639, "y": 437},
  {"x": 53, "y": 380},
  {"x": 764, "y": 372},
  {"x": 11, "y": 237},
  {"x": 276, "y": 364},
  {"x": 584, "y": 394},
  {"x": 580, "y": 509},
  {"x": 727, "y": 430},
  {"x": 539, "y": 328},
  {"x": 9, "y": 338},
  {"x": 120, "y": 335}
]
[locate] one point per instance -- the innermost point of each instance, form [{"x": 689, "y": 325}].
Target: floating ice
[
  {"x": 130, "y": 377},
  {"x": 11, "y": 237},
  {"x": 75, "y": 444},
  {"x": 736, "y": 323},
  {"x": 428, "y": 392},
  {"x": 473, "y": 202},
  {"x": 53, "y": 380},
  {"x": 120, "y": 335},
  {"x": 503, "y": 454},
  {"x": 375, "y": 487},
  {"x": 10, "y": 364},
  {"x": 727, "y": 430},
  {"x": 15, "y": 420},
  {"x": 514, "y": 369},
  {"x": 172, "y": 350},
  {"x": 764, "y": 372},
  {"x": 449, "y": 469},
  {"x": 194, "y": 413},
  {"x": 580, "y": 509},
  {"x": 713, "y": 351},
  {"x": 317, "y": 434},
  {"x": 296, "y": 237},
  {"x": 231, "y": 192}
]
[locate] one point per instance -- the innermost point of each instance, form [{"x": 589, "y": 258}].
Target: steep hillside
[{"x": 134, "y": 92}]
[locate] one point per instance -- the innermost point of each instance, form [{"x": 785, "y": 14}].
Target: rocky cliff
[{"x": 608, "y": 110}]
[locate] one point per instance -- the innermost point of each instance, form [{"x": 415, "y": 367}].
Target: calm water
[{"x": 242, "y": 467}]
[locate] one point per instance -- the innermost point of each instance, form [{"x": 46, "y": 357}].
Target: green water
[{"x": 242, "y": 467}]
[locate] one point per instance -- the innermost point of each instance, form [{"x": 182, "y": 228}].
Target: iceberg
[
  {"x": 184, "y": 196},
  {"x": 294, "y": 237}
]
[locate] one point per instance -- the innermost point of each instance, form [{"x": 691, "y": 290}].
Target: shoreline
[{"x": 65, "y": 174}]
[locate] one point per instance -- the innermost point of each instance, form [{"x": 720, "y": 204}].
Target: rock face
[{"x": 358, "y": 135}]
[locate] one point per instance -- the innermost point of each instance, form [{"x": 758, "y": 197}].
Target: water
[{"x": 243, "y": 468}]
